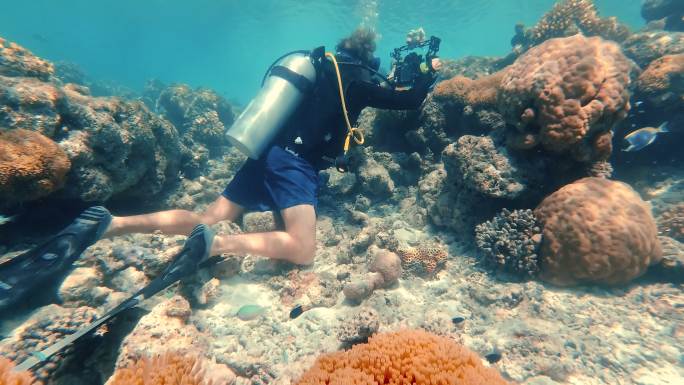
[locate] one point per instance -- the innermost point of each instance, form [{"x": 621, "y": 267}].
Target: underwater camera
[{"x": 407, "y": 68}]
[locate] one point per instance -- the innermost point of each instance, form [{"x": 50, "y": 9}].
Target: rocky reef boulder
[{"x": 118, "y": 149}]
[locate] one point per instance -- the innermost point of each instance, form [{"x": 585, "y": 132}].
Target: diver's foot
[
  {"x": 199, "y": 243},
  {"x": 53, "y": 259}
]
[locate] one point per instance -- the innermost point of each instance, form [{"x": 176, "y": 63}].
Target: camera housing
[{"x": 408, "y": 68}]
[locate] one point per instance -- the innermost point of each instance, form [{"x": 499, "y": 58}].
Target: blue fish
[
  {"x": 643, "y": 137},
  {"x": 4, "y": 219}
]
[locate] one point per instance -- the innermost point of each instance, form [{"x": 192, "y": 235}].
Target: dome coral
[
  {"x": 404, "y": 357},
  {"x": 31, "y": 165},
  {"x": 566, "y": 95},
  {"x": 596, "y": 231}
]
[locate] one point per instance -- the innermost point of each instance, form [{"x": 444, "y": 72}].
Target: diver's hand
[{"x": 436, "y": 64}]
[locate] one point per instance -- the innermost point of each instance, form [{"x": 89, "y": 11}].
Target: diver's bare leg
[
  {"x": 297, "y": 244},
  {"x": 180, "y": 222}
]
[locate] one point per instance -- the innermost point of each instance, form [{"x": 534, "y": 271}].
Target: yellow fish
[{"x": 643, "y": 137}]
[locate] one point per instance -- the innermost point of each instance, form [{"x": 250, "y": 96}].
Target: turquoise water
[{"x": 227, "y": 44}]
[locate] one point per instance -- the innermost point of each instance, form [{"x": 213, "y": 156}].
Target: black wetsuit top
[{"x": 317, "y": 129}]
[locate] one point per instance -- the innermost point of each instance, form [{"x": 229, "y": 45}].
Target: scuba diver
[{"x": 298, "y": 124}]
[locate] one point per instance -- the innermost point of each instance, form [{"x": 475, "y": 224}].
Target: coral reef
[
  {"x": 164, "y": 329},
  {"x": 566, "y": 95},
  {"x": 671, "y": 222},
  {"x": 510, "y": 242},
  {"x": 482, "y": 167},
  {"x": 423, "y": 260},
  {"x": 18, "y": 61},
  {"x": 31, "y": 166},
  {"x": 201, "y": 117},
  {"x": 384, "y": 272},
  {"x": 670, "y": 11},
  {"x": 569, "y": 17},
  {"x": 414, "y": 357},
  {"x": 9, "y": 377},
  {"x": 596, "y": 231},
  {"x": 645, "y": 47},
  {"x": 43, "y": 329},
  {"x": 359, "y": 327},
  {"x": 116, "y": 148},
  {"x": 662, "y": 83}
]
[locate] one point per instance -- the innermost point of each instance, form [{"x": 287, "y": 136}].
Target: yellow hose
[{"x": 352, "y": 132}]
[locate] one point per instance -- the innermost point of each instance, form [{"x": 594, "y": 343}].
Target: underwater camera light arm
[{"x": 408, "y": 68}]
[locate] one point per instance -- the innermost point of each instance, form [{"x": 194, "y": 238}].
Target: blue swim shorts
[{"x": 277, "y": 180}]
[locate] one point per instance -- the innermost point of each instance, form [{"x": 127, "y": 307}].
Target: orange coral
[
  {"x": 9, "y": 377},
  {"x": 428, "y": 259},
  {"x": 405, "y": 357},
  {"x": 671, "y": 222},
  {"x": 569, "y": 17},
  {"x": 465, "y": 91},
  {"x": 596, "y": 231},
  {"x": 31, "y": 166},
  {"x": 662, "y": 82},
  {"x": 166, "y": 369},
  {"x": 565, "y": 94},
  {"x": 18, "y": 61}
]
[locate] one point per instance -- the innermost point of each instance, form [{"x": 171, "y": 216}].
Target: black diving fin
[
  {"x": 195, "y": 254},
  {"x": 53, "y": 260}
]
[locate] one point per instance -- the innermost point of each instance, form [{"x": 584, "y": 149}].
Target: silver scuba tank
[{"x": 282, "y": 92}]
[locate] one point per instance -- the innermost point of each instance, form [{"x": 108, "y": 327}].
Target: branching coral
[
  {"x": 596, "y": 231},
  {"x": 165, "y": 369},
  {"x": 9, "y": 377},
  {"x": 569, "y": 17},
  {"x": 566, "y": 95},
  {"x": 405, "y": 357},
  {"x": 662, "y": 82},
  {"x": 18, "y": 61},
  {"x": 510, "y": 242},
  {"x": 423, "y": 260},
  {"x": 31, "y": 166}
]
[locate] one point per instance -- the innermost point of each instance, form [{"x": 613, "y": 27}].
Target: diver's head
[
  {"x": 519, "y": 28},
  {"x": 360, "y": 44}
]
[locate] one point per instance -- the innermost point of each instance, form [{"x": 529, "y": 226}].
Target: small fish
[
  {"x": 643, "y": 137},
  {"x": 638, "y": 103},
  {"x": 4, "y": 219},
  {"x": 250, "y": 312},
  {"x": 457, "y": 320},
  {"x": 493, "y": 358},
  {"x": 298, "y": 310}
]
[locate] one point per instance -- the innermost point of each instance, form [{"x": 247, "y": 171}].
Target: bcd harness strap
[
  {"x": 352, "y": 132},
  {"x": 302, "y": 83}
]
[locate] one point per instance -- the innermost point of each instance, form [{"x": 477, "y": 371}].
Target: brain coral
[
  {"x": 565, "y": 95},
  {"x": 662, "y": 82},
  {"x": 9, "y": 377},
  {"x": 169, "y": 368},
  {"x": 423, "y": 260},
  {"x": 405, "y": 357},
  {"x": 596, "y": 231},
  {"x": 31, "y": 166}
]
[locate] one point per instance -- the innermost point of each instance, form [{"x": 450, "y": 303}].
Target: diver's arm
[{"x": 373, "y": 95}]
